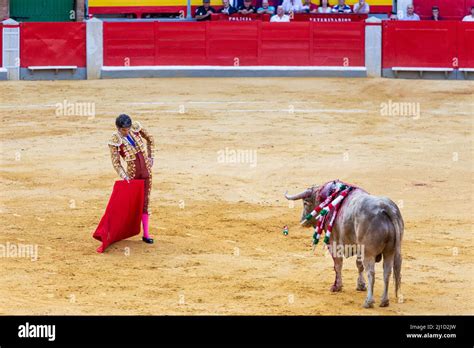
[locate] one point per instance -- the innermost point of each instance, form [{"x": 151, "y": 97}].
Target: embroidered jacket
[{"x": 120, "y": 147}]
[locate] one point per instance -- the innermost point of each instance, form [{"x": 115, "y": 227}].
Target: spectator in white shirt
[
  {"x": 294, "y": 6},
  {"x": 341, "y": 7},
  {"x": 361, "y": 7},
  {"x": 280, "y": 16},
  {"x": 469, "y": 18},
  {"x": 411, "y": 15},
  {"x": 324, "y": 6}
]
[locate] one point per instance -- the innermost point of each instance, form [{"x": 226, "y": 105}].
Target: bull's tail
[
  {"x": 395, "y": 217},
  {"x": 397, "y": 264}
]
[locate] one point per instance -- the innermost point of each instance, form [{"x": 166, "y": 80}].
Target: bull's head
[{"x": 310, "y": 201}]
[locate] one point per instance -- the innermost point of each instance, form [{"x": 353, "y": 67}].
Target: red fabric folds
[{"x": 122, "y": 217}]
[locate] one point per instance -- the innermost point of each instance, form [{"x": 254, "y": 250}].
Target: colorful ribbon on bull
[{"x": 326, "y": 212}]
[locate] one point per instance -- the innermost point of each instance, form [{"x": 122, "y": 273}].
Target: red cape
[{"x": 123, "y": 215}]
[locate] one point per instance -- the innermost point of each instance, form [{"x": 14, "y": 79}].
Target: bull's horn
[{"x": 301, "y": 195}]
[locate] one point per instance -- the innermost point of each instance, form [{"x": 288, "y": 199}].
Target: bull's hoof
[
  {"x": 361, "y": 287},
  {"x": 336, "y": 288},
  {"x": 385, "y": 303},
  {"x": 368, "y": 304}
]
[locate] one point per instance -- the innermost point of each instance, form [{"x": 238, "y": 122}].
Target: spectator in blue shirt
[
  {"x": 266, "y": 9},
  {"x": 341, "y": 7}
]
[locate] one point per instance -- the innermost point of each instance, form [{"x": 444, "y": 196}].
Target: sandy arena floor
[{"x": 218, "y": 226}]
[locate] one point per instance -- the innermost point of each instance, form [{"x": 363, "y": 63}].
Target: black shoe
[{"x": 148, "y": 240}]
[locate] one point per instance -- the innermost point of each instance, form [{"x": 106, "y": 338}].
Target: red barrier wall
[
  {"x": 339, "y": 17},
  {"x": 466, "y": 44},
  {"x": 298, "y": 17},
  {"x": 49, "y": 44},
  {"x": 445, "y": 44},
  {"x": 180, "y": 45},
  {"x": 234, "y": 43},
  {"x": 337, "y": 44},
  {"x": 129, "y": 43},
  {"x": 237, "y": 17},
  {"x": 419, "y": 44}
]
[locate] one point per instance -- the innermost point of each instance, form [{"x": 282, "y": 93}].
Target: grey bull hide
[{"x": 373, "y": 224}]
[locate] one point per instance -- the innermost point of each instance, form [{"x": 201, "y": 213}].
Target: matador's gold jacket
[{"x": 121, "y": 148}]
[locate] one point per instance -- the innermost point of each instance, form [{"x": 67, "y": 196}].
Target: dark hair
[
  {"x": 321, "y": 3},
  {"x": 435, "y": 8},
  {"x": 123, "y": 121}
]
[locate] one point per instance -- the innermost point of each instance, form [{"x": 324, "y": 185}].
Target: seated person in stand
[
  {"x": 362, "y": 7},
  {"x": 308, "y": 7},
  {"x": 266, "y": 9},
  {"x": 203, "y": 13},
  {"x": 341, "y": 7},
  {"x": 411, "y": 15},
  {"x": 227, "y": 8},
  {"x": 324, "y": 6},
  {"x": 292, "y": 6},
  {"x": 435, "y": 14},
  {"x": 280, "y": 16},
  {"x": 247, "y": 8},
  {"x": 469, "y": 18}
]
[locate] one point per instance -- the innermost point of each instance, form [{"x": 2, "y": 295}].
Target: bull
[{"x": 374, "y": 223}]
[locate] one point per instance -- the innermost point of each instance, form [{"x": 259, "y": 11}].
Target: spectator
[
  {"x": 393, "y": 16},
  {"x": 227, "y": 8},
  {"x": 203, "y": 13},
  {"x": 469, "y": 18},
  {"x": 280, "y": 16},
  {"x": 266, "y": 9},
  {"x": 341, "y": 7},
  {"x": 236, "y": 3},
  {"x": 324, "y": 6},
  {"x": 435, "y": 14},
  {"x": 308, "y": 7},
  {"x": 247, "y": 8},
  {"x": 361, "y": 7},
  {"x": 411, "y": 15},
  {"x": 294, "y": 6}
]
